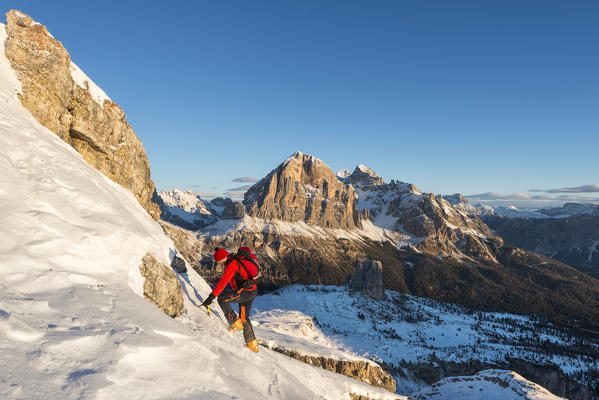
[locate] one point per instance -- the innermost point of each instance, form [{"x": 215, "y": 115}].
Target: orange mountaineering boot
[
  {"x": 253, "y": 345},
  {"x": 236, "y": 326}
]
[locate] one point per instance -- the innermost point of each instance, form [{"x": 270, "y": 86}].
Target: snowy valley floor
[{"x": 404, "y": 332}]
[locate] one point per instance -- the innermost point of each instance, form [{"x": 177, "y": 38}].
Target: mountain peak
[
  {"x": 298, "y": 156},
  {"x": 304, "y": 188},
  {"x": 365, "y": 177},
  {"x": 365, "y": 169}
]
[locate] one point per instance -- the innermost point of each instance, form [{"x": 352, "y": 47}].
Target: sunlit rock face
[
  {"x": 63, "y": 99},
  {"x": 303, "y": 188}
]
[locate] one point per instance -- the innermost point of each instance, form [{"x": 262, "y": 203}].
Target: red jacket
[{"x": 231, "y": 268}]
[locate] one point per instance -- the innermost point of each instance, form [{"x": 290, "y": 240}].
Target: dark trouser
[{"x": 245, "y": 299}]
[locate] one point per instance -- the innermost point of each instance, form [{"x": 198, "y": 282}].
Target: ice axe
[{"x": 207, "y": 303}]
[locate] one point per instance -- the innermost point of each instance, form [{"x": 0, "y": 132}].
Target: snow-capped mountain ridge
[
  {"x": 186, "y": 200},
  {"x": 571, "y": 209},
  {"x": 432, "y": 222}
]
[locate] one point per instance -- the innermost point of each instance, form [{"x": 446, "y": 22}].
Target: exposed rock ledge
[
  {"x": 161, "y": 286},
  {"x": 360, "y": 370},
  {"x": 72, "y": 110}
]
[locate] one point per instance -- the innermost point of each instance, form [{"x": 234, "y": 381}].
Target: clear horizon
[{"x": 497, "y": 100}]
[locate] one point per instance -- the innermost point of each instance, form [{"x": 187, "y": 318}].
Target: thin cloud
[
  {"x": 245, "y": 179},
  {"x": 234, "y": 194},
  {"x": 493, "y": 196},
  {"x": 205, "y": 194},
  {"x": 499, "y": 196},
  {"x": 240, "y": 188},
  {"x": 577, "y": 189}
]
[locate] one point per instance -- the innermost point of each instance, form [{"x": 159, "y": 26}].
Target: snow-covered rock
[
  {"x": 187, "y": 201},
  {"x": 458, "y": 201},
  {"x": 364, "y": 177},
  {"x": 343, "y": 174},
  {"x": 432, "y": 224},
  {"x": 491, "y": 384},
  {"x": 186, "y": 209}
]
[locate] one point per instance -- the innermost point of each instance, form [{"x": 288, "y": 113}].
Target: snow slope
[
  {"x": 73, "y": 323},
  {"x": 490, "y": 384}
]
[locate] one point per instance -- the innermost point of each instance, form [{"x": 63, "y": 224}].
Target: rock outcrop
[
  {"x": 64, "y": 100},
  {"x": 368, "y": 279},
  {"x": 233, "y": 209},
  {"x": 178, "y": 265},
  {"x": 161, "y": 286},
  {"x": 360, "y": 370},
  {"x": 303, "y": 188}
]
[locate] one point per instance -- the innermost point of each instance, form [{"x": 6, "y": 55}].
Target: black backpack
[{"x": 245, "y": 254}]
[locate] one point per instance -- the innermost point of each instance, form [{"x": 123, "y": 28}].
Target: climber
[{"x": 241, "y": 270}]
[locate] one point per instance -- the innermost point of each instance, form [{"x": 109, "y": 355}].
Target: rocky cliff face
[
  {"x": 64, "y": 100},
  {"x": 360, "y": 370},
  {"x": 303, "y": 188}
]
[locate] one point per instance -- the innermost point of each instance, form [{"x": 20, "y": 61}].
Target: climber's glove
[{"x": 208, "y": 301}]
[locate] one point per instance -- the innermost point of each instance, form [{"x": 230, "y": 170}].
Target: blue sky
[{"x": 453, "y": 96}]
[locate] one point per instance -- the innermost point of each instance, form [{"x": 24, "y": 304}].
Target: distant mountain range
[
  {"x": 310, "y": 225},
  {"x": 565, "y": 211},
  {"x": 569, "y": 233}
]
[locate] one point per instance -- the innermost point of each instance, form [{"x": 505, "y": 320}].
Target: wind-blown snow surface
[{"x": 73, "y": 323}]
